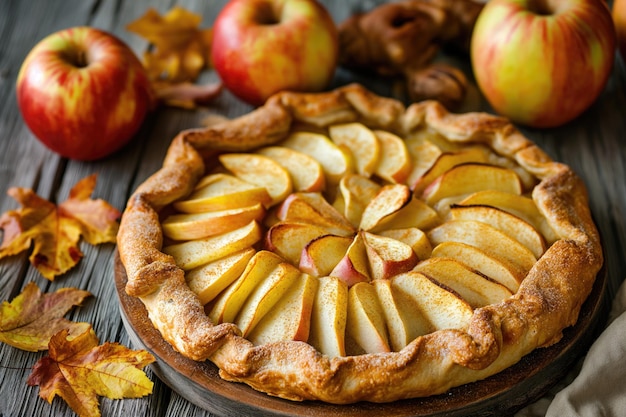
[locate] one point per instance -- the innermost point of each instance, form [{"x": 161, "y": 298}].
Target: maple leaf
[
  {"x": 79, "y": 370},
  {"x": 54, "y": 231},
  {"x": 32, "y": 318},
  {"x": 179, "y": 50}
]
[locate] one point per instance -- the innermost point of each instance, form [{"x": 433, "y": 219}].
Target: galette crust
[{"x": 499, "y": 335}]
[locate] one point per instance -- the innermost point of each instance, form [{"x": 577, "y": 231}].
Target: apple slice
[
  {"x": 321, "y": 255},
  {"x": 261, "y": 171},
  {"x": 441, "y": 307},
  {"x": 403, "y": 317},
  {"x": 445, "y": 162},
  {"x": 290, "y": 319},
  {"x": 488, "y": 239},
  {"x": 355, "y": 193},
  {"x": 423, "y": 155},
  {"x": 511, "y": 225},
  {"x": 226, "y": 307},
  {"x": 313, "y": 208},
  {"x": 199, "y": 225},
  {"x": 329, "y": 316},
  {"x": 480, "y": 261},
  {"x": 474, "y": 288},
  {"x": 335, "y": 161},
  {"x": 415, "y": 213},
  {"x": 362, "y": 144},
  {"x": 469, "y": 178},
  {"x": 387, "y": 257},
  {"x": 395, "y": 162},
  {"x": 221, "y": 192},
  {"x": 288, "y": 239},
  {"x": 366, "y": 319},
  {"x": 263, "y": 298},
  {"x": 518, "y": 205},
  {"x": 390, "y": 199},
  {"x": 354, "y": 266},
  {"x": 306, "y": 173},
  {"x": 414, "y": 237},
  {"x": 191, "y": 254},
  {"x": 207, "y": 281}
]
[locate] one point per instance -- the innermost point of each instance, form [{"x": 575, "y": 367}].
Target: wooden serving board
[{"x": 499, "y": 395}]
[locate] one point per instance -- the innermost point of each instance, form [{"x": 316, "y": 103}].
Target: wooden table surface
[{"x": 594, "y": 145}]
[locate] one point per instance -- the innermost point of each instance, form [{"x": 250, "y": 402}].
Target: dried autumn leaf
[
  {"x": 32, "y": 318},
  {"x": 179, "y": 49},
  {"x": 54, "y": 231},
  {"x": 79, "y": 370}
]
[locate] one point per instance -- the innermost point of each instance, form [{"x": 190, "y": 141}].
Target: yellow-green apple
[
  {"x": 518, "y": 205},
  {"x": 387, "y": 257},
  {"x": 290, "y": 319},
  {"x": 313, "y": 208},
  {"x": 469, "y": 178},
  {"x": 288, "y": 239},
  {"x": 619, "y": 19},
  {"x": 366, "y": 319},
  {"x": 228, "y": 304},
  {"x": 362, "y": 144},
  {"x": 191, "y": 254},
  {"x": 267, "y": 293},
  {"x": 261, "y": 171},
  {"x": 208, "y": 280},
  {"x": 473, "y": 287},
  {"x": 511, "y": 225},
  {"x": 261, "y": 47},
  {"x": 83, "y": 93},
  {"x": 221, "y": 192},
  {"x": 329, "y": 316},
  {"x": 481, "y": 262},
  {"x": 306, "y": 173},
  {"x": 336, "y": 161},
  {"x": 542, "y": 63},
  {"x": 190, "y": 226},
  {"x": 488, "y": 239},
  {"x": 395, "y": 162},
  {"x": 354, "y": 266},
  {"x": 320, "y": 256},
  {"x": 443, "y": 308}
]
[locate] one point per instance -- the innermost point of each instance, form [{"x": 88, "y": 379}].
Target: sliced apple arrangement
[{"x": 356, "y": 240}]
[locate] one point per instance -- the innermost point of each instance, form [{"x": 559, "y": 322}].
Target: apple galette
[{"x": 341, "y": 247}]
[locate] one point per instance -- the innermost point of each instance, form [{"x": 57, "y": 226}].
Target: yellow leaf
[{"x": 79, "y": 370}]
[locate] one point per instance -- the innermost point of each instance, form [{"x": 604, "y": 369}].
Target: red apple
[
  {"x": 83, "y": 93},
  {"x": 619, "y": 18},
  {"x": 261, "y": 47},
  {"x": 542, "y": 63}
]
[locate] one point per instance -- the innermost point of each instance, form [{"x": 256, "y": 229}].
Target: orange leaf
[
  {"x": 79, "y": 370},
  {"x": 32, "y": 318},
  {"x": 179, "y": 49},
  {"x": 55, "y": 231}
]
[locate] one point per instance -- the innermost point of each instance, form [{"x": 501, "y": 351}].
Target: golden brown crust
[{"x": 547, "y": 301}]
